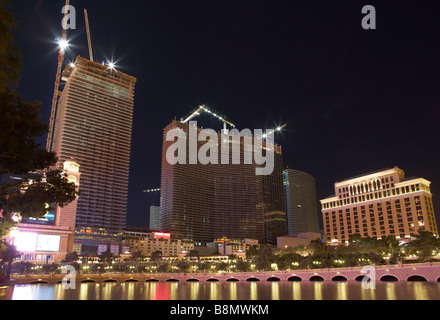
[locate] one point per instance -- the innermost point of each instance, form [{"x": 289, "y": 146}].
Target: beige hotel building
[{"x": 378, "y": 204}]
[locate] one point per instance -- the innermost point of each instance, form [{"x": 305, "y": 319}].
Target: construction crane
[
  {"x": 89, "y": 38},
  {"x": 202, "y": 109},
  {"x": 152, "y": 190},
  {"x": 63, "y": 46}
]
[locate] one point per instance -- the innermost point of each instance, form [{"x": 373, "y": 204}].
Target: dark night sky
[{"x": 355, "y": 101}]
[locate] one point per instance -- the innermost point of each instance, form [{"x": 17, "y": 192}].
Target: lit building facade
[
  {"x": 48, "y": 239},
  {"x": 301, "y": 202},
  {"x": 379, "y": 204},
  {"x": 146, "y": 243},
  {"x": 154, "y": 217},
  {"x": 202, "y": 202},
  {"x": 94, "y": 126}
]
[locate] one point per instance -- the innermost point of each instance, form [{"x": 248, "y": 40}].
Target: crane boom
[
  {"x": 89, "y": 38},
  {"x": 202, "y": 109},
  {"x": 57, "y": 83}
]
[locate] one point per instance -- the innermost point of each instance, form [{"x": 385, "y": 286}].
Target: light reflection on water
[{"x": 230, "y": 291}]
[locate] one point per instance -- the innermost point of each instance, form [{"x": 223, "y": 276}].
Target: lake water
[{"x": 231, "y": 291}]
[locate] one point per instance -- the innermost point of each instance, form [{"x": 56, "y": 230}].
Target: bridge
[{"x": 415, "y": 272}]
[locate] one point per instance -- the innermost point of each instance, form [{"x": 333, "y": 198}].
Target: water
[{"x": 231, "y": 291}]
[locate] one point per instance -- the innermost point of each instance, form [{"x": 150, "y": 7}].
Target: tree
[
  {"x": 9, "y": 53},
  {"x": 106, "y": 257},
  {"x": 71, "y": 257},
  {"x": 424, "y": 244},
  {"x": 34, "y": 186},
  {"x": 156, "y": 256},
  {"x": 7, "y": 257}
]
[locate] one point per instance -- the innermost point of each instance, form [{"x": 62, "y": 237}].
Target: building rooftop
[{"x": 366, "y": 174}]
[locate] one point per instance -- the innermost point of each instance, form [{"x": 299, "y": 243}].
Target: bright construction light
[
  {"x": 279, "y": 129},
  {"x": 63, "y": 44},
  {"x": 111, "y": 65},
  {"x": 72, "y": 65}
]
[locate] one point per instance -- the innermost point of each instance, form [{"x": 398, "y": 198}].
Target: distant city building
[
  {"x": 302, "y": 211},
  {"x": 154, "y": 218},
  {"x": 302, "y": 239},
  {"x": 147, "y": 242},
  {"x": 48, "y": 239},
  {"x": 204, "y": 202},
  {"x": 94, "y": 126},
  {"x": 227, "y": 247},
  {"x": 379, "y": 204}
]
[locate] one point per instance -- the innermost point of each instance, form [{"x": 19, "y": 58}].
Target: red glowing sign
[{"x": 163, "y": 235}]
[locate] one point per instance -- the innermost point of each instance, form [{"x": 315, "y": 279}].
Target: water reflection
[
  {"x": 342, "y": 291},
  {"x": 253, "y": 291},
  {"x": 296, "y": 290},
  {"x": 275, "y": 289},
  {"x": 317, "y": 286},
  {"x": 230, "y": 291}
]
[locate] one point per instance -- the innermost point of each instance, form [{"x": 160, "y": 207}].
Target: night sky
[{"x": 355, "y": 100}]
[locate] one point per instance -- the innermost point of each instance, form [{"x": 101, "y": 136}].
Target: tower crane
[
  {"x": 63, "y": 47},
  {"x": 89, "y": 38},
  {"x": 202, "y": 109}
]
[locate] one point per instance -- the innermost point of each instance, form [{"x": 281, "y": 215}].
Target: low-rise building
[
  {"x": 296, "y": 240},
  {"x": 147, "y": 242}
]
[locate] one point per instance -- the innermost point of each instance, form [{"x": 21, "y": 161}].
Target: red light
[{"x": 162, "y": 235}]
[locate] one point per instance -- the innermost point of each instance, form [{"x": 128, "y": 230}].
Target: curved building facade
[{"x": 301, "y": 202}]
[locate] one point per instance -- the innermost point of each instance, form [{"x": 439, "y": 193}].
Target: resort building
[{"x": 379, "y": 204}]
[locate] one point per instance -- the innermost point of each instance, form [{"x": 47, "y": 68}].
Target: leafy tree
[
  {"x": 242, "y": 266},
  {"x": 10, "y": 53},
  {"x": 183, "y": 266},
  {"x": 156, "y": 256},
  {"x": 424, "y": 244},
  {"x": 163, "y": 267},
  {"x": 71, "y": 257},
  {"x": 7, "y": 257},
  {"x": 137, "y": 255},
  {"x": 106, "y": 257},
  {"x": 252, "y": 252},
  {"x": 33, "y": 186}
]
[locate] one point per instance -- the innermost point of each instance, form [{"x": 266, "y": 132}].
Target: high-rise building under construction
[
  {"x": 94, "y": 126},
  {"x": 203, "y": 202}
]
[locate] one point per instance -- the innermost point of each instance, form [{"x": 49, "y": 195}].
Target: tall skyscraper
[
  {"x": 301, "y": 202},
  {"x": 154, "y": 218},
  {"x": 379, "y": 204},
  {"x": 93, "y": 126},
  {"x": 203, "y": 202}
]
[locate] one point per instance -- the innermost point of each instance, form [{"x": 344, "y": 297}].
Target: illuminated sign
[
  {"x": 71, "y": 166},
  {"x": 163, "y": 235},
  {"x": 25, "y": 241},
  {"x": 28, "y": 241},
  {"x": 48, "y": 219},
  {"x": 47, "y": 242}
]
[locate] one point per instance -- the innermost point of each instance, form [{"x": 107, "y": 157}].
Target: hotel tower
[
  {"x": 379, "y": 204},
  {"x": 94, "y": 126},
  {"x": 204, "y": 202}
]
